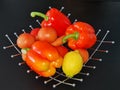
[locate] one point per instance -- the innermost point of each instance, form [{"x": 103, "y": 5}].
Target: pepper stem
[
  {"x": 33, "y": 14},
  {"x": 74, "y": 35},
  {"x": 25, "y": 50}
]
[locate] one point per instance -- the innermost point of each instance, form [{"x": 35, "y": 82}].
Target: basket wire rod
[
  {"x": 21, "y": 63},
  {"x": 28, "y": 71},
  {"x": 98, "y": 32},
  {"x": 15, "y": 55},
  {"x": 16, "y": 34},
  {"x": 92, "y": 67},
  {"x": 31, "y": 27},
  {"x": 46, "y": 81},
  {"x": 36, "y": 77},
  {"x": 109, "y": 42},
  {"x": 9, "y": 46},
  {"x": 13, "y": 44},
  {"x": 97, "y": 59},
  {"x": 62, "y": 8},
  {"x": 62, "y": 82},
  {"x": 38, "y": 22},
  {"x": 23, "y": 30},
  {"x": 77, "y": 79},
  {"x": 75, "y": 20},
  {"x": 68, "y": 15},
  {"x": 49, "y": 7},
  {"x": 87, "y": 74},
  {"x": 98, "y": 46},
  {"x": 99, "y": 50}
]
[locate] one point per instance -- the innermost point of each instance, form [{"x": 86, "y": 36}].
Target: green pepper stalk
[
  {"x": 74, "y": 35},
  {"x": 54, "y": 18},
  {"x": 33, "y": 14}
]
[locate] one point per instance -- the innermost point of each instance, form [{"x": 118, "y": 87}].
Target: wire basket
[{"x": 59, "y": 78}]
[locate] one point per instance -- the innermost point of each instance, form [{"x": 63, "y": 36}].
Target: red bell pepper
[
  {"x": 62, "y": 50},
  {"x": 46, "y": 50},
  {"x": 80, "y": 35},
  {"x": 55, "y": 19}
]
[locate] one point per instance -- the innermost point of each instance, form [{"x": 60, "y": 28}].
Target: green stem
[
  {"x": 33, "y": 14},
  {"x": 25, "y": 50},
  {"x": 74, "y": 35}
]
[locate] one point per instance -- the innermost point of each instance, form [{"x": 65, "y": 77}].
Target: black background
[{"x": 104, "y": 15}]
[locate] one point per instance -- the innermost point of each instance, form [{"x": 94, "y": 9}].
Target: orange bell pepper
[{"x": 43, "y": 58}]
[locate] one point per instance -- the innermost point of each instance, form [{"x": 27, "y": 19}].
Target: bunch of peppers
[{"x": 42, "y": 57}]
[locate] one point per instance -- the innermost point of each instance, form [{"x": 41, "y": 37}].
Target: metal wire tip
[
  {"x": 4, "y": 47},
  {"x": 28, "y": 71},
  {"x": 49, "y": 7},
  {"x": 36, "y": 77},
  {"x": 61, "y": 8},
  {"x": 68, "y": 14}
]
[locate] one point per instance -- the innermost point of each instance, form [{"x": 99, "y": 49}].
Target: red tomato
[
  {"x": 85, "y": 55},
  {"x": 34, "y": 32},
  {"x": 25, "y": 40},
  {"x": 47, "y": 34}
]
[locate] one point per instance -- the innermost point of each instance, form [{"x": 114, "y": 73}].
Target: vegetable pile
[{"x": 43, "y": 48}]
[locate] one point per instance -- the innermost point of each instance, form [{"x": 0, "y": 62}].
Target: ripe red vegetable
[
  {"x": 80, "y": 35},
  {"x": 62, "y": 50},
  {"x": 85, "y": 54},
  {"x": 58, "y": 41},
  {"x": 25, "y": 40},
  {"x": 47, "y": 34},
  {"x": 34, "y": 32},
  {"x": 36, "y": 62},
  {"x": 54, "y": 18},
  {"x": 43, "y": 58},
  {"x": 46, "y": 50}
]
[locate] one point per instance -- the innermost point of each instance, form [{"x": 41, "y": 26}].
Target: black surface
[{"x": 14, "y": 16}]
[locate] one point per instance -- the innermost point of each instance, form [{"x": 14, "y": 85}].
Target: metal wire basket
[{"x": 59, "y": 78}]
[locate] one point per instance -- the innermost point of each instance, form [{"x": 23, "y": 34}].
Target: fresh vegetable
[
  {"x": 80, "y": 35},
  {"x": 24, "y": 53},
  {"x": 46, "y": 50},
  {"x": 72, "y": 63},
  {"x": 43, "y": 58},
  {"x": 54, "y": 18},
  {"x": 36, "y": 62},
  {"x": 57, "y": 63},
  {"x": 50, "y": 72},
  {"x": 47, "y": 34},
  {"x": 25, "y": 40},
  {"x": 58, "y": 41},
  {"x": 62, "y": 50},
  {"x": 85, "y": 54},
  {"x": 34, "y": 32}
]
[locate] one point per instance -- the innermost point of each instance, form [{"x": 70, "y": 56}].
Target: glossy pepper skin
[
  {"x": 43, "y": 58},
  {"x": 54, "y": 18},
  {"x": 46, "y": 50},
  {"x": 36, "y": 62},
  {"x": 80, "y": 35}
]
